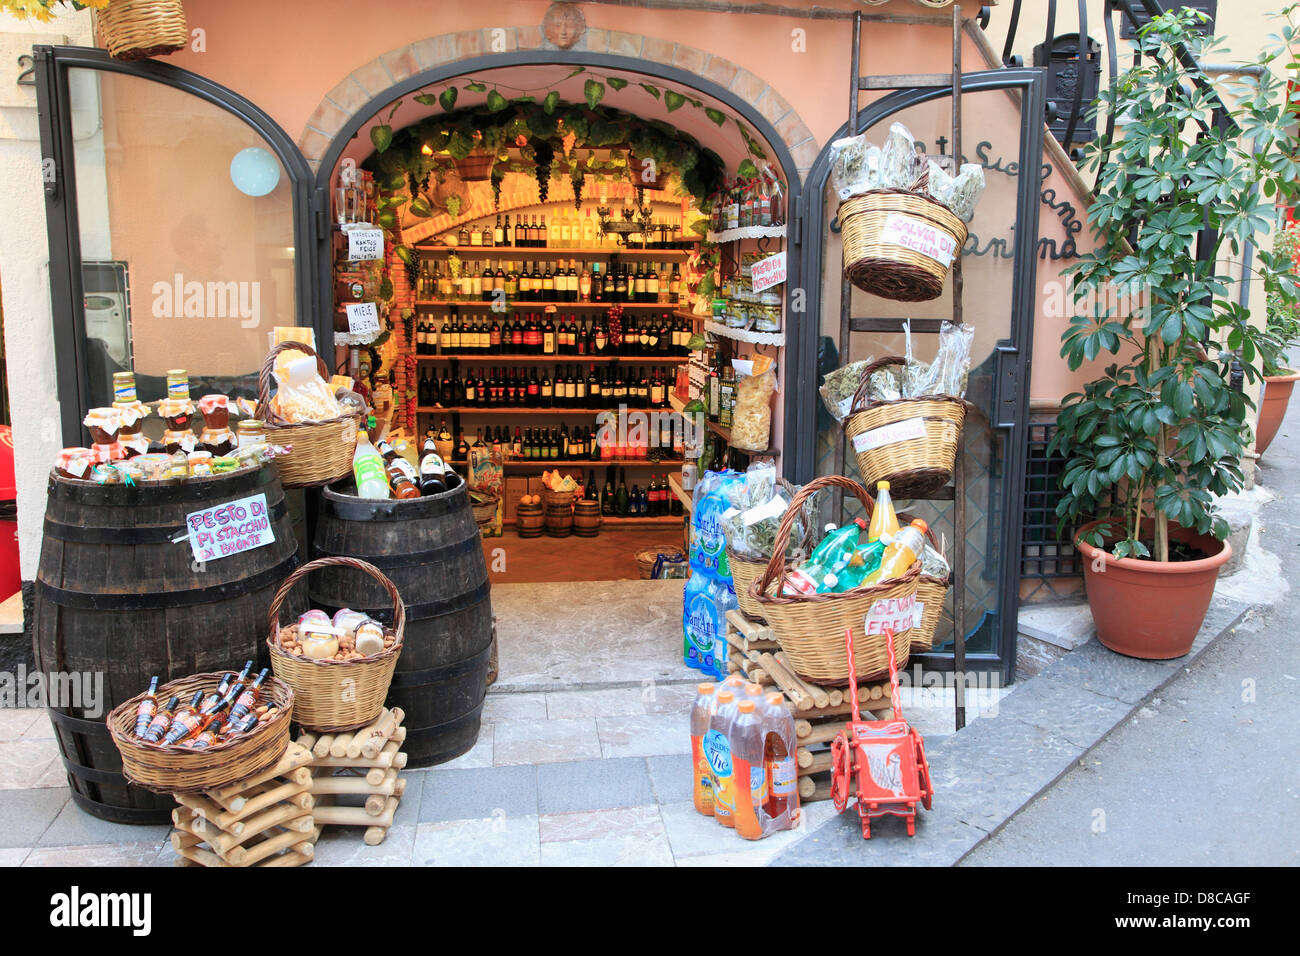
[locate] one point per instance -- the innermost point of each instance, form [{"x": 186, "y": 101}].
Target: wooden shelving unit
[
  {"x": 548, "y": 463},
  {"x": 521, "y": 410},
  {"x": 492, "y": 305},
  {"x": 527, "y": 252},
  {"x": 500, "y": 359}
]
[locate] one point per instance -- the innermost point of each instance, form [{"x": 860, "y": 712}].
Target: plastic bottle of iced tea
[
  {"x": 706, "y": 700},
  {"x": 781, "y": 804},
  {"x": 748, "y": 768},
  {"x": 717, "y": 751}
]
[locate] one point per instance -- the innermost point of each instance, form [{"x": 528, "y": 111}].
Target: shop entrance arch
[{"x": 325, "y": 154}]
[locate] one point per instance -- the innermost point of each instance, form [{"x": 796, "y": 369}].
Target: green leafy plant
[
  {"x": 1161, "y": 431},
  {"x": 1283, "y": 316}
]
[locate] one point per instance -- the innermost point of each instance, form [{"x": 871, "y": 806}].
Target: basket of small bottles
[
  {"x": 340, "y": 667},
  {"x": 851, "y": 580},
  {"x": 213, "y": 730}
]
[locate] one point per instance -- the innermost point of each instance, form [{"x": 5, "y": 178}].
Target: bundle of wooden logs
[
  {"x": 357, "y": 778},
  {"x": 819, "y": 712},
  {"x": 265, "y": 820}
]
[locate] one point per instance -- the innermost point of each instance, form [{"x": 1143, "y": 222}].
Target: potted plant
[
  {"x": 1185, "y": 183},
  {"x": 1284, "y": 332}
]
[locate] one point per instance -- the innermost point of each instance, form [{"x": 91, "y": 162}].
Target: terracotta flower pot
[
  {"x": 1272, "y": 408},
  {"x": 477, "y": 167},
  {"x": 1151, "y": 609}
]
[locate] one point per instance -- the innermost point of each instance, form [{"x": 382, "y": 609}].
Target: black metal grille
[{"x": 1042, "y": 553}]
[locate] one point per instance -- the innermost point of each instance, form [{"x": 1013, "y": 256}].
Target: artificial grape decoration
[{"x": 614, "y": 319}]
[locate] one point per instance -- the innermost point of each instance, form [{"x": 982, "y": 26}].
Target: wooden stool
[
  {"x": 363, "y": 763},
  {"x": 265, "y": 820}
]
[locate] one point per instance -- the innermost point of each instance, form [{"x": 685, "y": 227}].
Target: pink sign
[
  {"x": 919, "y": 236},
  {"x": 768, "y": 272}
]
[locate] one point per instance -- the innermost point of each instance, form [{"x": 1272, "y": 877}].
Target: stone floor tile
[
  {"x": 593, "y": 785},
  {"x": 75, "y": 827},
  {"x": 25, "y": 814},
  {"x": 136, "y": 853},
  {"x": 478, "y": 794},
  {"x": 547, "y": 741},
  {"x": 500, "y": 841}
]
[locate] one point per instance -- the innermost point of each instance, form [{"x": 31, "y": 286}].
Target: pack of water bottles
[
  {"x": 743, "y": 758},
  {"x": 710, "y": 593}
]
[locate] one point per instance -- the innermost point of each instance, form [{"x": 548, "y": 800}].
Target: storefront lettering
[{"x": 1048, "y": 248}]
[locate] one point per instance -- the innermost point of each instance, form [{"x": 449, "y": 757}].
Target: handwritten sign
[
  {"x": 906, "y": 430},
  {"x": 232, "y": 528},
  {"x": 365, "y": 244},
  {"x": 768, "y": 272},
  {"x": 363, "y": 318},
  {"x": 896, "y": 614},
  {"x": 919, "y": 236}
]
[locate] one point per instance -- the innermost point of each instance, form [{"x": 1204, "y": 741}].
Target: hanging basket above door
[{"x": 136, "y": 29}]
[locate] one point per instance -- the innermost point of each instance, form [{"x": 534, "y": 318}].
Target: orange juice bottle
[
  {"x": 749, "y": 769},
  {"x": 901, "y": 552},
  {"x": 883, "y": 519},
  {"x": 781, "y": 805},
  {"x": 701, "y": 712},
  {"x": 717, "y": 751}
]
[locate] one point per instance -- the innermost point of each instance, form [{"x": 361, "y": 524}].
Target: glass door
[
  {"x": 179, "y": 229},
  {"x": 1002, "y": 129}
]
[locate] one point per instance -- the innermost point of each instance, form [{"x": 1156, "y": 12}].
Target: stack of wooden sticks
[
  {"x": 265, "y": 820},
  {"x": 357, "y": 779}
]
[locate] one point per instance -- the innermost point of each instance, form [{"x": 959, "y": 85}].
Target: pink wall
[{"x": 287, "y": 57}]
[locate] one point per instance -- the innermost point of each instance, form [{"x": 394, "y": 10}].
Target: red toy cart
[{"x": 889, "y": 756}]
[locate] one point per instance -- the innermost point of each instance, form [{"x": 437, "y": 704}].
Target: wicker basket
[
  {"x": 336, "y": 696},
  {"x": 931, "y": 592},
  {"x": 134, "y": 29},
  {"x": 915, "y": 465},
  {"x": 177, "y": 770},
  {"x": 320, "y": 452},
  {"x": 810, "y": 628},
  {"x": 645, "y": 559},
  {"x": 875, "y": 225}
]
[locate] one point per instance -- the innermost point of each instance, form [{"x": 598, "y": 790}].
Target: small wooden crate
[
  {"x": 265, "y": 820},
  {"x": 364, "y": 763},
  {"x": 819, "y": 712}
]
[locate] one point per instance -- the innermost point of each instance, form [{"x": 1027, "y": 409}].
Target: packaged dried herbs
[
  {"x": 947, "y": 374},
  {"x": 840, "y": 385},
  {"x": 967, "y": 189},
  {"x": 758, "y": 505},
  {"x": 855, "y": 166},
  {"x": 859, "y": 166},
  {"x": 900, "y": 164}
]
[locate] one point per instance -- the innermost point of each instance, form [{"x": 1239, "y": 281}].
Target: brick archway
[{"x": 371, "y": 80}]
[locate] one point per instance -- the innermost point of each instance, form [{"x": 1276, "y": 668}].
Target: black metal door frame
[
  {"x": 1011, "y": 391},
  {"x": 61, "y": 217}
]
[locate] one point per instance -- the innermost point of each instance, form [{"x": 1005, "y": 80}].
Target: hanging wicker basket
[
  {"x": 319, "y": 452},
  {"x": 135, "y": 29},
  {"x": 899, "y": 244},
  {"x": 909, "y": 442},
  {"x": 336, "y": 696},
  {"x": 171, "y": 769},
  {"x": 810, "y": 628}
]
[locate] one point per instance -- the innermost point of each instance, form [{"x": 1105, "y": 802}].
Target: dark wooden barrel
[
  {"x": 559, "y": 520},
  {"x": 431, "y": 550},
  {"x": 115, "y": 596},
  {"x": 586, "y": 518},
  {"x": 529, "y": 520}
]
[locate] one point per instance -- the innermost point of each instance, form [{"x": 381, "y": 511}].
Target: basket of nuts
[{"x": 340, "y": 667}]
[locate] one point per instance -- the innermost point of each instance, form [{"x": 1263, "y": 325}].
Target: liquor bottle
[
  {"x": 534, "y": 398},
  {"x": 621, "y": 498},
  {"x": 579, "y": 388},
  {"x": 590, "y": 493},
  {"x": 636, "y": 504},
  {"x": 546, "y": 392},
  {"x": 674, "y": 503},
  {"x": 498, "y": 234},
  {"x": 542, "y": 236},
  {"x": 597, "y": 283},
  {"x": 401, "y": 475},
  {"x": 246, "y": 701},
  {"x": 548, "y": 338},
  {"x": 584, "y": 284},
  {"x": 368, "y": 470},
  {"x": 161, "y": 721},
  {"x": 518, "y": 446},
  {"x": 675, "y": 284},
  {"x": 640, "y": 287},
  {"x": 507, "y": 234},
  {"x": 432, "y": 469},
  {"x": 147, "y": 710},
  {"x": 183, "y": 721},
  {"x": 485, "y": 281},
  {"x": 608, "y": 504},
  {"x": 601, "y": 336},
  {"x": 214, "y": 697}
]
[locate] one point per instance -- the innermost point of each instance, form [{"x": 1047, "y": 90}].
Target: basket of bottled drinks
[
  {"x": 863, "y": 581},
  {"x": 339, "y": 667},
  {"x": 215, "y": 729}
]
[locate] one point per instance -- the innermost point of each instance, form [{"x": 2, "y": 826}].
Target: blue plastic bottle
[{"x": 702, "y": 623}]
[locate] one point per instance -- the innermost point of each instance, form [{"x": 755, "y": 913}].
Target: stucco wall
[{"x": 24, "y": 276}]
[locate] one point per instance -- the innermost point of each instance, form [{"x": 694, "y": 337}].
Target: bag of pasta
[
  {"x": 751, "y": 420},
  {"x": 302, "y": 395}
]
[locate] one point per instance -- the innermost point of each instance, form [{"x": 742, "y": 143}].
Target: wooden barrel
[
  {"x": 431, "y": 550},
  {"x": 529, "y": 520},
  {"x": 586, "y": 518},
  {"x": 559, "y": 519},
  {"x": 115, "y": 597}
]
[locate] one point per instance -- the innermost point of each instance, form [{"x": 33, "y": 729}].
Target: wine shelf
[
  {"x": 558, "y": 252},
  {"x": 524, "y": 410},
  {"x": 501, "y": 359},
  {"x": 675, "y": 482},
  {"x": 494, "y": 306},
  {"x": 547, "y": 463},
  {"x": 747, "y": 232}
]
